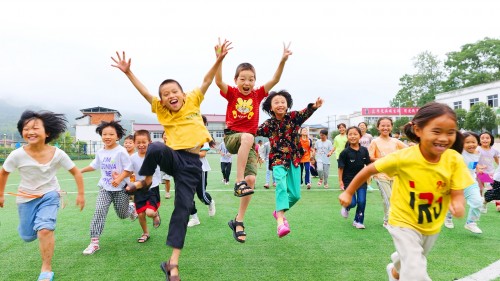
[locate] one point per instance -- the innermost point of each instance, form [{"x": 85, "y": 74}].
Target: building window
[
  {"x": 473, "y": 101},
  {"x": 157, "y": 135},
  {"x": 219, "y": 134},
  {"x": 493, "y": 101},
  {"x": 457, "y": 104}
]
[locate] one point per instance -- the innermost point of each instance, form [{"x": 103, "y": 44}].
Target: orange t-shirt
[{"x": 306, "y": 146}]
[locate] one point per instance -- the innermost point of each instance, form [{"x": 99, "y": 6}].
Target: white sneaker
[
  {"x": 344, "y": 212},
  {"x": 448, "y": 223},
  {"x": 360, "y": 225},
  {"x": 133, "y": 215},
  {"x": 472, "y": 227},
  {"x": 389, "y": 272},
  {"x": 211, "y": 208},
  {"x": 355, "y": 224},
  {"x": 193, "y": 222},
  {"x": 91, "y": 248},
  {"x": 483, "y": 209}
]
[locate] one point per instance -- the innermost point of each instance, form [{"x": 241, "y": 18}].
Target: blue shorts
[{"x": 37, "y": 214}]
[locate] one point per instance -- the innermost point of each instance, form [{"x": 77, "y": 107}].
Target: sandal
[
  {"x": 166, "y": 267},
  {"x": 143, "y": 239},
  {"x": 233, "y": 224},
  {"x": 131, "y": 188},
  {"x": 46, "y": 275},
  {"x": 242, "y": 189},
  {"x": 157, "y": 220}
]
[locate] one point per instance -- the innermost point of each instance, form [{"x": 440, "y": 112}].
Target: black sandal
[
  {"x": 242, "y": 189},
  {"x": 233, "y": 224},
  {"x": 166, "y": 267}
]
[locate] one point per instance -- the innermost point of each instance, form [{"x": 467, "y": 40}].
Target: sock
[{"x": 94, "y": 240}]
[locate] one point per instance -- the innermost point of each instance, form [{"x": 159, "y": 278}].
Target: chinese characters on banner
[{"x": 377, "y": 111}]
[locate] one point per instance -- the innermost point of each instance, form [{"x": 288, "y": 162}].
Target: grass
[{"x": 321, "y": 246}]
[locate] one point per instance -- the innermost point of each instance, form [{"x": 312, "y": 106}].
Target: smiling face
[
  {"x": 362, "y": 127},
  {"x": 172, "y": 96},
  {"x": 436, "y": 136},
  {"x": 245, "y": 81},
  {"x": 470, "y": 144},
  {"x": 34, "y": 132},
  {"x": 279, "y": 106},
  {"x": 341, "y": 129},
  {"x": 485, "y": 140},
  {"x": 353, "y": 136},
  {"x": 129, "y": 145},
  {"x": 141, "y": 143},
  {"x": 384, "y": 127},
  {"x": 303, "y": 132},
  {"x": 109, "y": 137}
]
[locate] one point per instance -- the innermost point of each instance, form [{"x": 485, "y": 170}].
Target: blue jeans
[
  {"x": 269, "y": 173},
  {"x": 38, "y": 214},
  {"x": 359, "y": 198},
  {"x": 473, "y": 197}
]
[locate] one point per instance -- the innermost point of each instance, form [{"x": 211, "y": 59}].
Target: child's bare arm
[
  {"x": 277, "y": 75},
  {"x": 80, "y": 198},
  {"x": 118, "y": 178},
  {"x": 124, "y": 65},
  {"x": 220, "y": 52},
  {"x": 3, "y": 181},
  {"x": 218, "y": 75},
  {"x": 457, "y": 204},
  {"x": 87, "y": 169},
  {"x": 363, "y": 175}
]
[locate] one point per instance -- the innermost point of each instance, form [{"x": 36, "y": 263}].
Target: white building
[
  {"x": 86, "y": 125},
  {"x": 465, "y": 98}
]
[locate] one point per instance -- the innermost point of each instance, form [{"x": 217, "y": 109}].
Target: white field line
[{"x": 491, "y": 272}]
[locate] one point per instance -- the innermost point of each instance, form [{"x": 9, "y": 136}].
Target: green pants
[{"x": 287, "y": 186}]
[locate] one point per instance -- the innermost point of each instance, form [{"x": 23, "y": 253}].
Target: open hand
[
  {"x": 121, "y": 62},
  {"x": 318, "y": 103},
  {"x": 222, "y": 49}
]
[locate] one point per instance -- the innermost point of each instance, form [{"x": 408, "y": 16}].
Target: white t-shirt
[
  {"x": 36, "y": 178},
  {"x": 205, "y": 166},
  {"x": 110, "y": 161},
  {"x": 136, "y": 166},
  {"x": 322, "y": 149}
]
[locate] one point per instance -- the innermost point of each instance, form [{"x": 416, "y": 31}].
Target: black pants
[
  {"x": 185, "y": 168},
  {"x": 493, "y": 194},
  {"x": 201, "y": 192},
  {"x": 226, "y": 170}
]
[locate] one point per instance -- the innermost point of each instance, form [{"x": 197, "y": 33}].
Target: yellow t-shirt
[
  {"x": 184, "y": 129},
  {"x": 421, "y": 190}
]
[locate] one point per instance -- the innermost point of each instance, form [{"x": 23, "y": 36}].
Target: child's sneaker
[
  {"x": 360, "y": 225},
  {"x": 448, "y": 223},
  {"x": 211, "y": 208},
  {"x": 308, "y": 186},
  {"x": 133, "y": 215},
  {"x": 283, "y": 230},
  {"x": 344, "y": 212},
  {"x": 472, "y": 227},
  {"x": 389, "y": 272},
  {"x": 167, "y": 195},
  {"x": 91, "y": 248},
  {"x": 483, "y": 209},
  {"x": 193, "y": 222}
]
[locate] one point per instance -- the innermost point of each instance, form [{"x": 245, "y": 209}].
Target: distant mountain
[{"x": 9, "y": 115}]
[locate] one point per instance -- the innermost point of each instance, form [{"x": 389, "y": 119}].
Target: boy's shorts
[
  {"x": 233, "y": 143},
  {"x": 147, "y": 200},
  {"x": 38, "y": 214},
  {"x": 165, "y": 177}
]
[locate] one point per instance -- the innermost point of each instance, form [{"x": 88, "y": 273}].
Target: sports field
[{"x": 321, "y": 246}]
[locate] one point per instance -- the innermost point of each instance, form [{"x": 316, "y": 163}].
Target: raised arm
[
  {"x": 218, "y": 75},
  {"x": 277, "y": 75},
  {"x": 221, "y": 52},
  {"x": 124, "y": 65}
]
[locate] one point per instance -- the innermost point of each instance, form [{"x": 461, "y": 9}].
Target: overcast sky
[{"x": 56, "y": 54}]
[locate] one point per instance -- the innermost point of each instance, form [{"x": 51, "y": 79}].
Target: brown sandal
[{"x": 166, "y": 267}]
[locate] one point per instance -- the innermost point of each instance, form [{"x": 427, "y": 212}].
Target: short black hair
[
  {"x": 266, "y": 105},
  {"x": 53, "y": 123},
  {"x": 120, "y": 131}
]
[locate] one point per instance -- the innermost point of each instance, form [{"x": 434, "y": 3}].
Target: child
[
  {"x": 242, "y": 117},
  {"x": 165, "y": 178},
  {"x": 312, "y": 168},
  {"x": 365, "y": 141},
  {"x": 380, "y": 147},
  {"x": 351, "y": 160},
  {"x": 38, "y": 192},
  {"x": 147, "y": 202},
  {"x": 340, "y": 140},
  {"x": 129, "y": 145},
  {"x": 323, "y": 149},
  {"x": 306, "y": 145},
  {"x": 282, "y": 129},
  {"x": 179, "y": 113},
  {"x": 226, "y": 160},
  {"x": 429, "y": 179},
  {"x": 489, "y": 156},
  {"x": 115, "y": 166},
  {"x": 201, "y": 189},
  {"x": 471, "y": 193}
]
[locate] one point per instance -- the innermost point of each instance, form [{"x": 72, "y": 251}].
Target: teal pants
[{"x": 287, "y": 186}]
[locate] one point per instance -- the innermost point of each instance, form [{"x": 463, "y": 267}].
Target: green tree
[
  {"x": 480, "y": 117},
  {"x": 399, "y": 123},
  {"x": 461, "y": 116},
  {"x": 372, "y": 130},
  {"x": 420, "y": 88},
  {"x": 474, "y": 64},
  {"x": 65, "y": 142}
]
